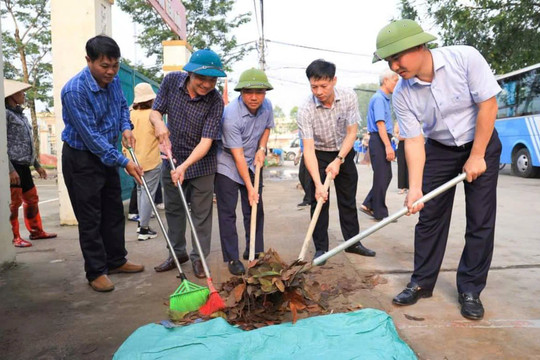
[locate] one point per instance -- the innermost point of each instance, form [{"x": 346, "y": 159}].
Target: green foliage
[
  {"x": 364, "y": 92},
  {"x": 278, "y": 112},
  {"x": 26, "y": 46},
  {"x": 208, "y": 25},
  {"x": 294, "y": 113},
  {"x": 504, "y": 31}
]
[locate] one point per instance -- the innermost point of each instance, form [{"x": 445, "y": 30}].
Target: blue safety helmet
[{"x": 205, "y": 62}]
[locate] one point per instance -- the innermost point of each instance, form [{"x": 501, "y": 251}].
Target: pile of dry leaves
[{"x": 273, "y": 292}]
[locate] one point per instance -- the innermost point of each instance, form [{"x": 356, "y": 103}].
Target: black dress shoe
[
  {"x": 198, "y": 269},
  {"x": 359, "y": 249},
  {"x": 411, "y": 294},
  {"x": 169, "y": 263},
  {"x": 245, "y": 255},
  {"x": 319, "y": 253},
  {"x": 471, "y": 306},
  {"x": 236, "y": 267}
]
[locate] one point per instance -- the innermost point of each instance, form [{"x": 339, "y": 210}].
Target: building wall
[{"x": 7, "y": 251}]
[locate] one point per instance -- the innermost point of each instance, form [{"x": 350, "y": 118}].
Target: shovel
[
  {"x": 314, "y": 218},
  {"x": 444, "y": 187},
  {"x": 253, "y": 226}
]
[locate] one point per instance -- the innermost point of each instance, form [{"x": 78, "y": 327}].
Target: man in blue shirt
[
  {"x": 381, "y": 153},
  {"x": 194, "y": 108},
  {"x": 245, "y": 129},
  {"x": 448, "y": 96},
  {"x": 95, "y": 112}
]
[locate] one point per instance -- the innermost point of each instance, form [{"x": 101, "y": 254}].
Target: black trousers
[
  {"x": 25, "y": 177},
  {"x": 346, "y": 184},
  {"x": 305, "y": 181},
  {"x": 431, "y": 233},
  {"x": 227, "y": 199},
  {"x": 95, "y": 194},
  {"x": 402, "y": 170},
  {"x": 382, "y": 175}
]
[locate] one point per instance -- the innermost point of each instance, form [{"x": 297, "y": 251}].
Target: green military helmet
[
  {"x": 205, "y": 62},
  {"x": 253, "y": 79},
  {"x": 399, "y": 36}
]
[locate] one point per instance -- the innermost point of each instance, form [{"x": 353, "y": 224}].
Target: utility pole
[{"x": 262, "y": 62}]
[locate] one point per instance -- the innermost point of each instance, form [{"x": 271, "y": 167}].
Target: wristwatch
[
  {"x": 341, "y": 159},
  {"x": 262, "y": 148}
]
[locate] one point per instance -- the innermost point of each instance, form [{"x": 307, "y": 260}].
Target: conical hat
[{"x": 12, "y": 87}]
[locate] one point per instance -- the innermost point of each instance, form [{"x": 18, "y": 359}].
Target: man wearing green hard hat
[
  {"x": 446, "y": 108},
  {"x": 246, "y": 126},
  {"x": 194, "y": 108}
]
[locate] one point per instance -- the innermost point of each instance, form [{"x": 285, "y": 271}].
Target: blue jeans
[{"x": 145, "y": 208}]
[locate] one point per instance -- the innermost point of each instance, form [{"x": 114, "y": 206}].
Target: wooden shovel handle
[
  {"x": 253, "y": 226},
  {"x": 314, "y": 218}
]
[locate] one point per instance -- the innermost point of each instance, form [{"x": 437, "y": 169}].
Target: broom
[
  {"x": 215, "y": 302},
  {"x": 188, "y": 296}
]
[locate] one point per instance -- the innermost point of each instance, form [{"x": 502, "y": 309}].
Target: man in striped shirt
[
  {"x": 95, "y": 112},
  {"x": 328, "y": 123}
]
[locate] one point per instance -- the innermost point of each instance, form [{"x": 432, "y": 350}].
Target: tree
[
  {"x": 504, "y": 31},
  {"x": 278, "y": 112},
  {"x": 26, "y": 45},
  {"x": 293, "y": 113},
  {"x": 364, "y": 92},
  {"x": 208, "y": 25}
]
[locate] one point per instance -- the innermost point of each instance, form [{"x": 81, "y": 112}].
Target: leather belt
[{"x": 464, "y": 147}]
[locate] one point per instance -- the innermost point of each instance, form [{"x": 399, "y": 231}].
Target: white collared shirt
[
  {"x": 328, "y": 126},
  {"x": 446, "y": 109}
]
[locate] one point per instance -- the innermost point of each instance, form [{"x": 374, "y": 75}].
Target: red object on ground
[
  {"x": 214, "y": 303},
  {"x": 46, "y": 159}
]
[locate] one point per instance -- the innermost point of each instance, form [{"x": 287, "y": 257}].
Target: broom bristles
[{"x": 214, "y": 303}]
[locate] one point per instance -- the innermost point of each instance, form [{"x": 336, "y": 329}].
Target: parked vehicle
[
  {"x": 292, "y": 150},
  {"x": 518, "y": 120}
]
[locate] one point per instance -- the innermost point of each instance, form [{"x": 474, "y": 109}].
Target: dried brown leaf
[{"x": 238, "y": 291}]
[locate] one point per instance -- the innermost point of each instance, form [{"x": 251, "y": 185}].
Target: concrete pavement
[{"x": 48, "y": 311}]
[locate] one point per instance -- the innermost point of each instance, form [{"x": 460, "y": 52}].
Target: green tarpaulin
[{"x": 364, "y": 334}]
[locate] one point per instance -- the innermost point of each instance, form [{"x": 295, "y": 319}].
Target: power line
[
  {"x": 320, "y": 49},
  {"x": 262, "y": 62},
  {"x": 256, "y": 17}
]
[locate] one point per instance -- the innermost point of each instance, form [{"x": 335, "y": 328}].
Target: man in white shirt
[{"x": 446, "y": 95}]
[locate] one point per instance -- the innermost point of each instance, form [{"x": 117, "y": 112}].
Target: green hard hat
[
  {"x": 205, "y": 62},
  {"x": 253, "y": 79},
  {"x": 399, "y": 36}
]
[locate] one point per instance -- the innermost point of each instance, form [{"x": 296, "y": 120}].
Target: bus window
[
  {"x": 529, "y": 96},
  {"x": 518, "y": 120},
  {"x": 507, "y": 99}
]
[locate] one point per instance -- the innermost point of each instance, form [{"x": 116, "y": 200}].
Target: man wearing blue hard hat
[{"x": 194, "y": 108}]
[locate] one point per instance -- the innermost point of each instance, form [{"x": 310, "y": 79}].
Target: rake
[{"x": 188, "y": 296}]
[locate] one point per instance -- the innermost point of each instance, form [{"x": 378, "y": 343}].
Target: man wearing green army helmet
[
  {"x": 446, "y": 107},
  {"x": 246, "y": 127}
]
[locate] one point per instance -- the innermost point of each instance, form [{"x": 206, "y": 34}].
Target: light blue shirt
[
  {"x": 446, "y": 109},
  {"x": 379, "y": 110},
  {"x": 241, "y": 129}
]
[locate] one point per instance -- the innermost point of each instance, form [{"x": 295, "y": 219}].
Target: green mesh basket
[{"x": 188, "y": 297}]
